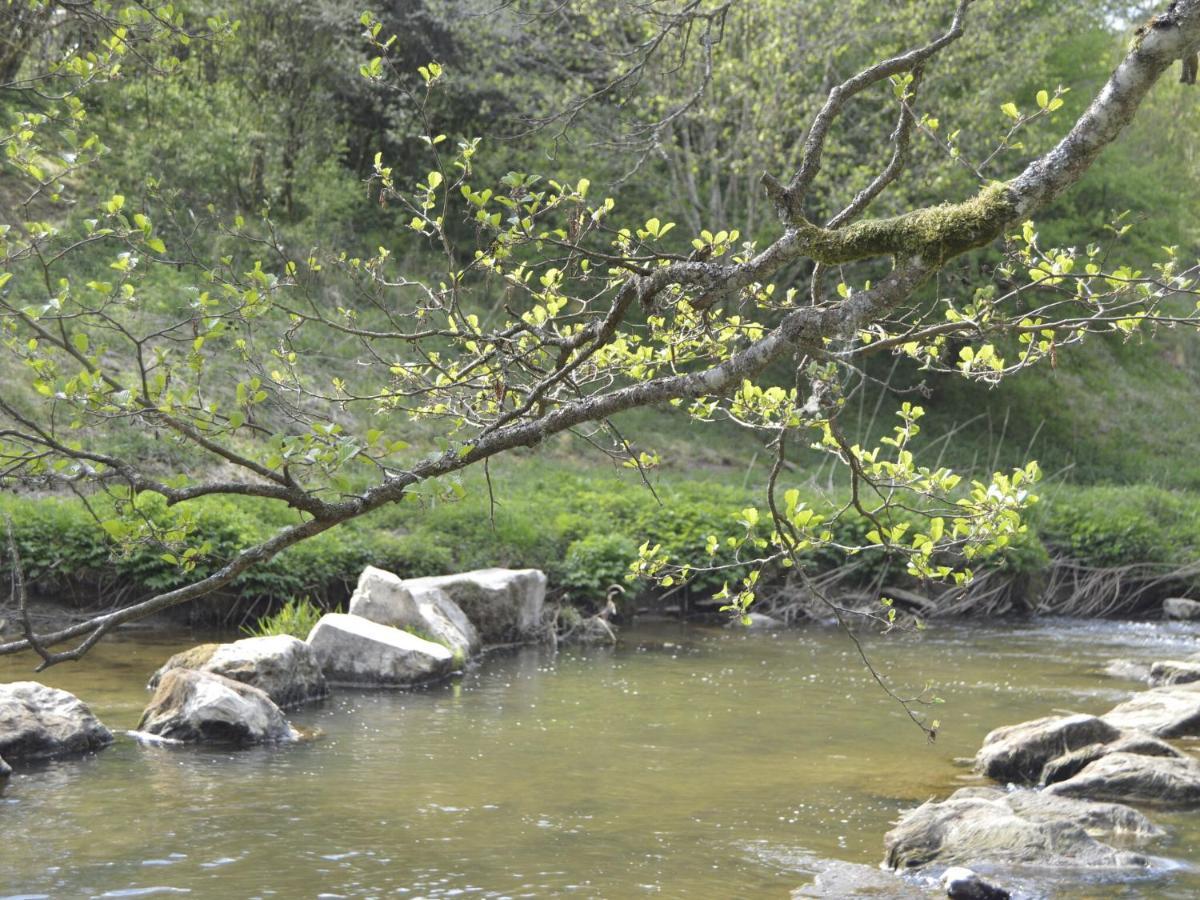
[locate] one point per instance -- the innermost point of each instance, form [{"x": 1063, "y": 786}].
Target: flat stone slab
[
  {"x": 978, "y": 826},
  {"x": 39, "y": 722},
  {"x": 1019, "y": 753},
  {"x": 192, "y": 706},
  {"x": 1069, "y": 764},
  {"x": 1164, "y": 712},
  {"x": 414, "y": 606},
  {"x": 505, "y": 605},
  {"x": 283, "y": 666},
  {"x": 353, "y": 650},
  {"x": 1132, "y": 778}
]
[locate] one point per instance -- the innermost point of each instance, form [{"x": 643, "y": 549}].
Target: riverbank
[{"x": 1093, "y": 551}]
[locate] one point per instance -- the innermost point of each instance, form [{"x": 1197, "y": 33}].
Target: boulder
[
  {"x": 1164, "y": 712},
  {"x": 979, "y": 826},
  {"x": 1063, "y": 767},
  {"x": 504, "y": 604},
  {"x": 1018, "y": 753},
  {"x": 195, "y": 706},
  {"x": 1174, "y": 672},
  {"x": 1132, "y": 778},
  {"x": 1130, "y": 669},
  {"x": 963, "y": 884},
  {"x": 5, "y": 768},
  {"x": 757, "y": 622},
  {"x": 1181, "y": 608},
  {"x": 426, "y": 611},
  {"x": 354, "y": 650},
  {"x": 39, "y": 722},
  {"x": 283, "y": 666}
]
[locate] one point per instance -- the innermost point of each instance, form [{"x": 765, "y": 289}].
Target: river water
[{"x": 686, "y": 762}]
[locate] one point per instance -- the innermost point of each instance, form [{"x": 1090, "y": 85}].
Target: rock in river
[
  {"x": 1063, "y": 767},
  {"x": 1132, "y": 778},
  {"x": 1021, "y": 828},
  {"x": 504, "y": 604},
  {"x": 38, "y": 722},
  {"x": 1164, "y": 712},
  {"x": 5, "y": 768},
  {"x": 191, "y": 705},
  {"x": 1174, "y": 672},
  {"x": 963, "y": 884},
  {"x": 1181, "y": 608},
  {"x": 1018, "y": 753},
  {"x": 414, "y": 606},
  {"x": 354, "y": 650},
  {"x": 283, "y": 666}
]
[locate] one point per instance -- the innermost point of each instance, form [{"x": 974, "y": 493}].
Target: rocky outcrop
[
  {"x": 1132, "y": 778},
  {"x": 1019, "y": 753},
  {"x": 414, "y": 606},
  {"x": 505, "y": 605},
  {"x": 39, "y": 722},
  {"x": 195, "y": 706},
  {"x": 354, "y": 650},
  {"x": 989, "y": 825},
  {"x": 1164, "y": 712},
  {"x": 1063, "y": 767},
  {"x": 284, "y": 667},
  {"x": 1174, "y": 672},
  {"x": 1181, "y": 608}
]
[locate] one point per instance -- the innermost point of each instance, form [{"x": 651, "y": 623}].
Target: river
[{"x": 686, "y": 762}]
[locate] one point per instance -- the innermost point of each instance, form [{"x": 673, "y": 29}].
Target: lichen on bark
[{"x": 935, "y": 233}]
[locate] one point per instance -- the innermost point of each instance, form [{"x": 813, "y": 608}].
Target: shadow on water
[{"x": 686, "y": 761}]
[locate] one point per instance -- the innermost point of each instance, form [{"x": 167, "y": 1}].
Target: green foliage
[
  {"x": 297, "y": 618},
  {"x": 595, "y": 562}
]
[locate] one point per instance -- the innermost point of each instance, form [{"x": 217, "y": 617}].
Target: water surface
[{"x": 686, "y": 762}]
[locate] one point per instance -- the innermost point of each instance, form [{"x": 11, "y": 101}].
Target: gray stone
[
  {"x": 1174, "y": 672},
  {"x": 199, "y": 707},
  {"x": 426, "y": 611},
  {"x": 1164, "y": 712},
  {"x": 758, "y": 622},
  {"x": 963, "y": 884},
  {"x": 1131, "y": 778},
  {"x": 505, "y": 605},
  {"x": 5, "y": 768},
  {"x": 1063, "y": 767},
  {"x": 354, "y": 650},
  {"x": 283, "y": 666},
  {"x": 1018, "y": 753},
  {"x": 1181, "y": 608},
  {"x": 39, "y": 722},
  {"x": 987, "y": 826},
  {"x": 1130, "y": 669}
]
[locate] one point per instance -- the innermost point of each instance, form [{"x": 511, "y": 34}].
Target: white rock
[
  {"x": 426, "y": 611},
  {"x": 505, "y": 605},
  {"x": 283, "y": 666},
  {"x": 354, "y": 650},
  {"x": 194, "y": 706},
  {"x": 1181, "y": 608},
  {"x": 37, "y": 722},
  {"x": 1163, "y": 712}
]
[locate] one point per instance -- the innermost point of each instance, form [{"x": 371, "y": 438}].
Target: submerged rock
[
  {"x": 505, "y": 605},
  {"x": 283, "y": 666},
  {"x": 1019, "y": 753},
  {"x": 1181, "y": 608},
  {"x": 1131, "y": 778},
  {"x": 193, "y": 706},
  {"x": 1174, "y": 672},
  {"x": 354, "y": 650},
  {"x": 413, "y": 606},
  {"x": 1164, "y": 712},
  {"x": 39, "y": 722},
  {"x": 963, "y": 884},
  {"x": 990, "y": 826},
  {"x": 1131, "y": 669},
  {"x": 838, "y": 880},
  {"x": 757, "y": 622},
  {"x": 1063, "y": 767}
]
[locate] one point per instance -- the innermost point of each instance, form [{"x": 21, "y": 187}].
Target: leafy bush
[
  {"x": 594, "y": 562},
  {"x": 296, "y": 618}
]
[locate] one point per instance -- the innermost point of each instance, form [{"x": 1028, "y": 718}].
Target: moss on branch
[{"x": 936, "y": 233}]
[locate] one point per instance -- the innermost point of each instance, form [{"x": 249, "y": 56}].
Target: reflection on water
[{"x": 686, "y": 762}]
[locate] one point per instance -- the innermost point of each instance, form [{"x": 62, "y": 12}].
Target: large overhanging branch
[{"x": 919, "y": 242}]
